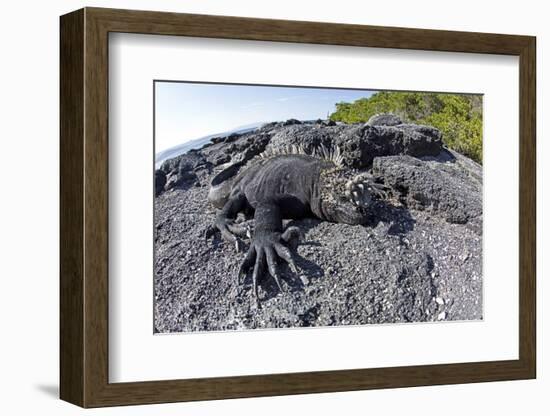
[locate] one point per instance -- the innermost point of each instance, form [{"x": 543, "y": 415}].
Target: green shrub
[{"x": 457, "y": 116}]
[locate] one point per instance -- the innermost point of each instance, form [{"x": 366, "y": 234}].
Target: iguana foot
[
  {"x": 267, "y": 247},
  {"x": 230, "y": 231},
  {"x": 292, "y": 236}
]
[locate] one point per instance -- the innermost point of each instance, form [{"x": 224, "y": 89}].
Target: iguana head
[{"x": 345, "y": 196}]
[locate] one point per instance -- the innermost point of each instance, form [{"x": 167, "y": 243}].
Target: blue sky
[{"x": 187, "y": 111}]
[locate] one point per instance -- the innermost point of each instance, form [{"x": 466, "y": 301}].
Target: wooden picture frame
[{"x": 84, "y": 207}]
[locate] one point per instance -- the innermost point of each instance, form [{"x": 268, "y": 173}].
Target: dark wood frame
[{"x": 84, "y": 207}]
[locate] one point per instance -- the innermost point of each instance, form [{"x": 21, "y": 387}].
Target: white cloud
[{"x": 283, "y": 99}]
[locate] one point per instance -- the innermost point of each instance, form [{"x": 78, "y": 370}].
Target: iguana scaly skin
[{"x": 287, "y": 184}]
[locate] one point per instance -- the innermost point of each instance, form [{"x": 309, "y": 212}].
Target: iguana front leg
[
  {"x": 225, "y": 221},
  {"x": 268, "y": 244}
]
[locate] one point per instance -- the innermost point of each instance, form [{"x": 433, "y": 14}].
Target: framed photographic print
[{"x": 255, "y": 207}]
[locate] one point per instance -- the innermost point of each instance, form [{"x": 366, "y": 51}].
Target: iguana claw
[
  {"x": 266, "y": 248},
  {"x": 230, "y": 232}
]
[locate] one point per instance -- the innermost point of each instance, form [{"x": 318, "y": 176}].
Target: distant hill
[{"x": 201, "y": 141}]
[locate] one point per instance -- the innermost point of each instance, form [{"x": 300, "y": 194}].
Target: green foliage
[{"x": 457, "y": 116}]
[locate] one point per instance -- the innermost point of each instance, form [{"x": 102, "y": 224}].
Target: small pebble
[
  {"x": 464, "y": 257},
  {"x": 439, "y": 301},
  {"x": 441, "y": 316}
]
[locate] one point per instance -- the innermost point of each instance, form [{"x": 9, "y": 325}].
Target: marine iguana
[{"x": 287, "y": 183}]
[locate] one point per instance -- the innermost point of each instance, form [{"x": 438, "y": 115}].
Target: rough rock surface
[
  {"x": 451, "y": 190},
  {"x": 385, "y": 120},
  {"x": 419, "y": 260}
]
